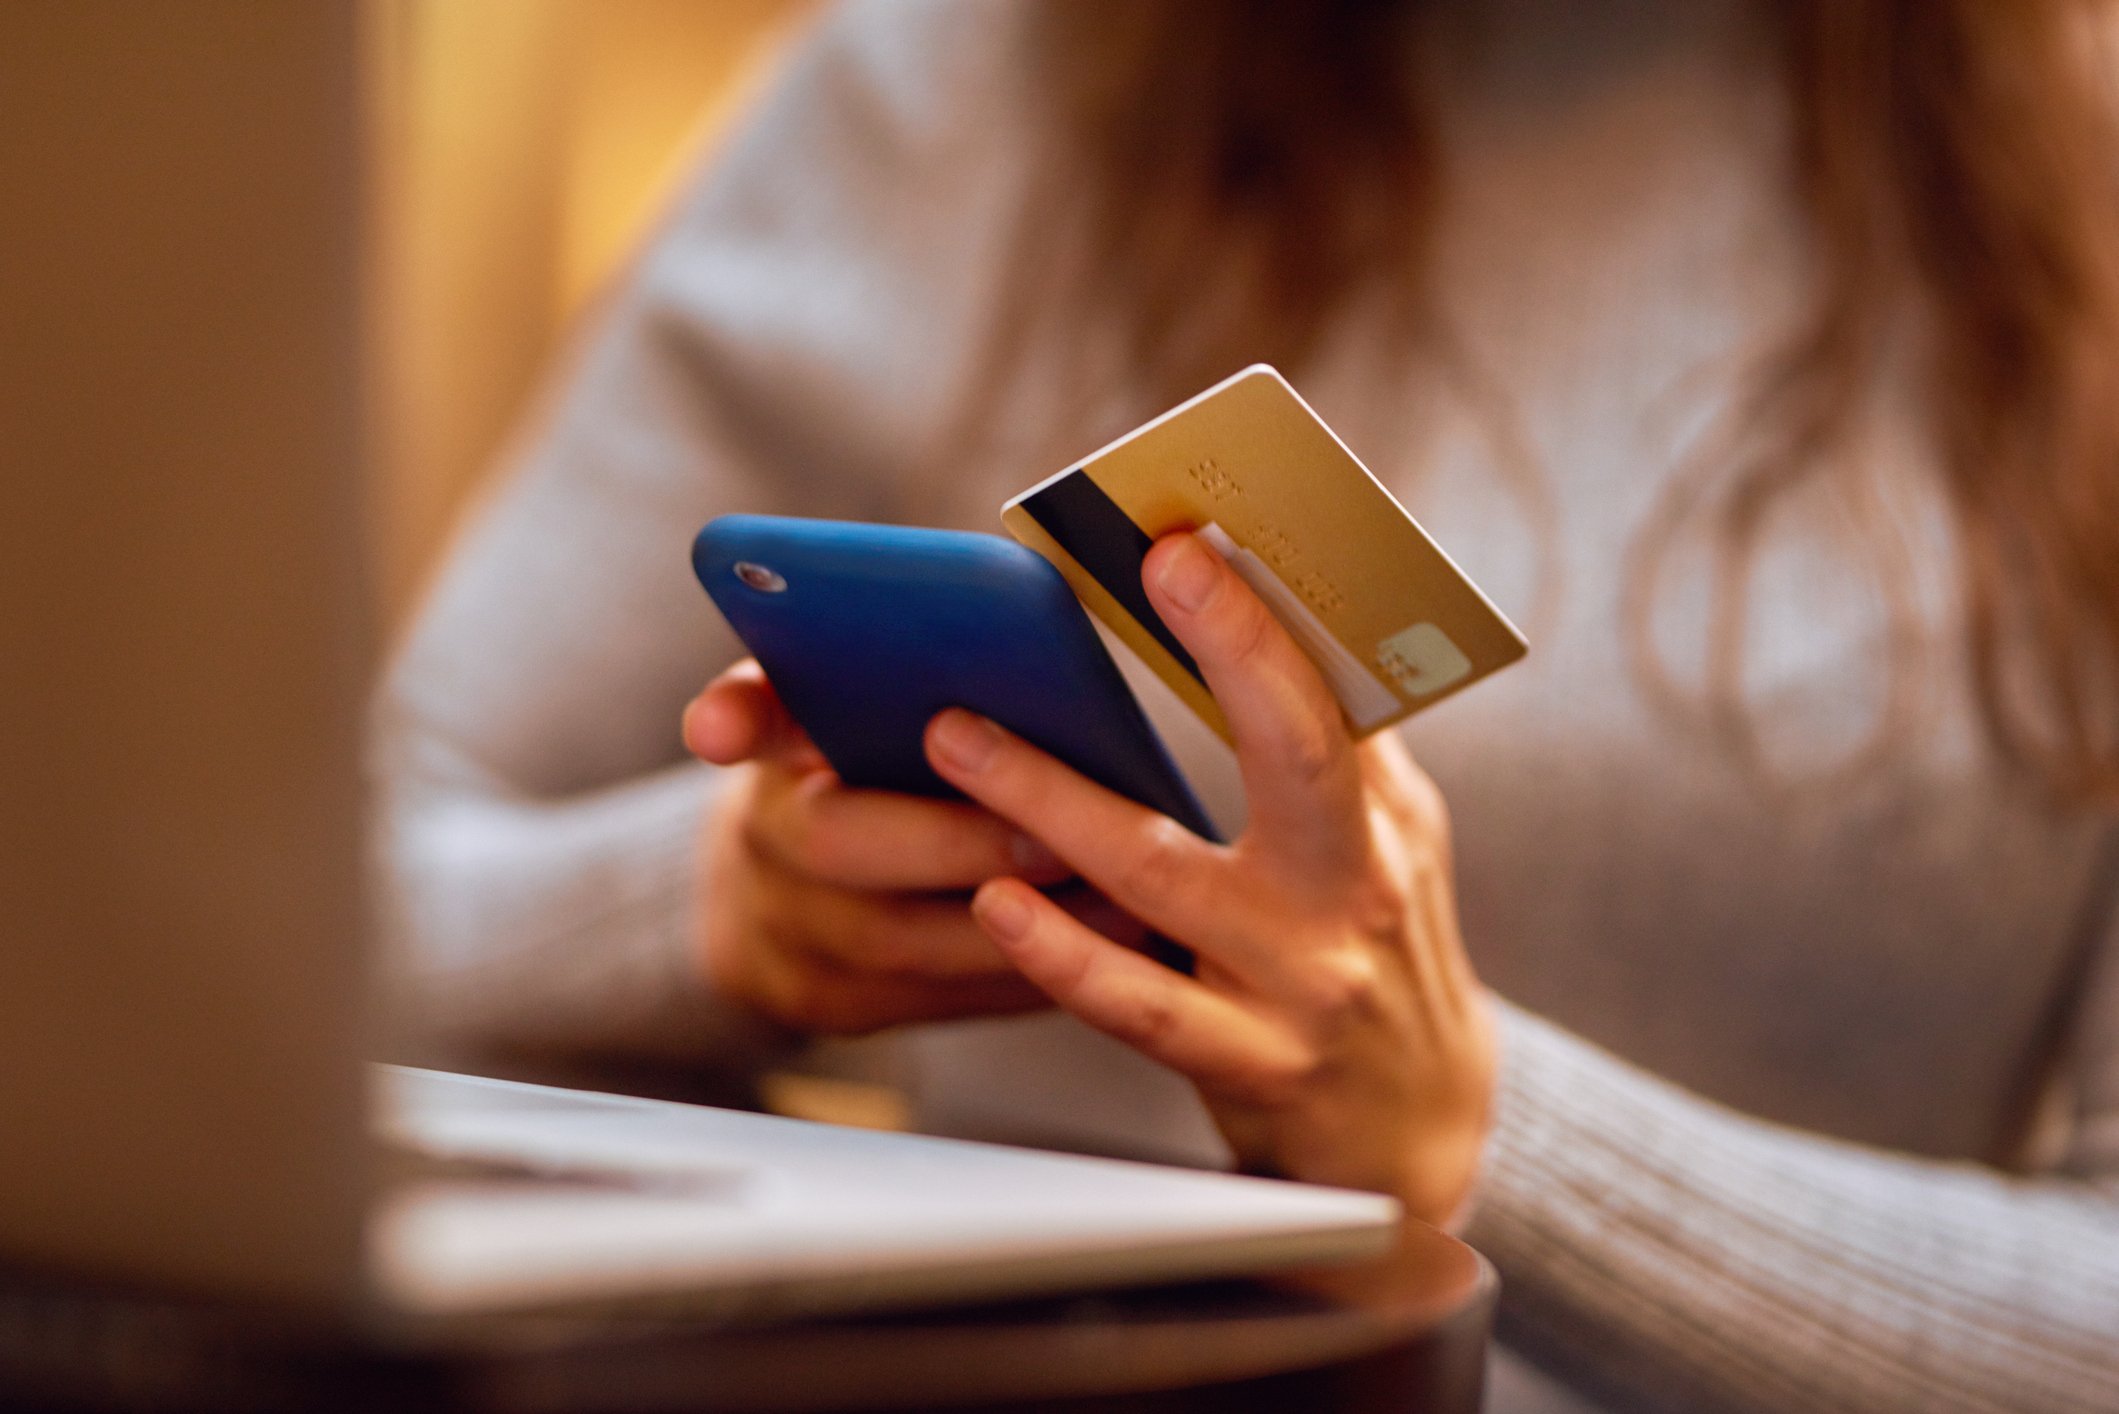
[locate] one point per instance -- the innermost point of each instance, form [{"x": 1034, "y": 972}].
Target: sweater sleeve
[
  {"x": 1665, "y": 1252},
  {"x": 789, "y": 342}
]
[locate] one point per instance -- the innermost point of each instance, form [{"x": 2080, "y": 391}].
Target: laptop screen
[{"x": 181, "y": 627}]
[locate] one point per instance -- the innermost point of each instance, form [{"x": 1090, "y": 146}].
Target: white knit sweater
[{"x": 1770, "y": 1055}]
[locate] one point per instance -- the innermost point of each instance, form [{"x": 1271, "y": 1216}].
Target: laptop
[{"x": 186, "y": 1016}]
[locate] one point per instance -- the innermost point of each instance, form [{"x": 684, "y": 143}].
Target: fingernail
[
  {"x": 1189, "y": 576},
  {"x": 965, "y": 740},
  {"x": 1031, "y": 856},
  {"x": 1002, "y": 913}
]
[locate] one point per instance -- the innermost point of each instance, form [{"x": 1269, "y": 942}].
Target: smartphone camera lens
[{"x": 758, "y": 577}]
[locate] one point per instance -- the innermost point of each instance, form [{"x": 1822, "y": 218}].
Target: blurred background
[{"x": 520, "y": 148}]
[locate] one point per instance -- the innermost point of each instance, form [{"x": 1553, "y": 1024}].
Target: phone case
[{"x": 867, "y": 631}]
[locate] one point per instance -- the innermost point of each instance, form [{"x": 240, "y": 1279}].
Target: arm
[
  {"x": 1660, "y": 1249},
  {"x": 789, "y": 342},
  {"x": 1672, "y": 1253}
]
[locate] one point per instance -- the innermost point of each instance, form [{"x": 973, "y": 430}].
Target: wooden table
[{"x": 1417, "y": 1344}]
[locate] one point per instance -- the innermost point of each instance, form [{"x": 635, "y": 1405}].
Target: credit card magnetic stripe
[{"x": 1109, "y": 547}]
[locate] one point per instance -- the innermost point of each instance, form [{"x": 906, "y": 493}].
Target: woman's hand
[
  {"x": 1334, "y": 1026},
  {"x": 837, "y": 911}
]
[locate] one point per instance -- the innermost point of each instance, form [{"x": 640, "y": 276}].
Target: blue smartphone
[{"x": 867, "y": 631}]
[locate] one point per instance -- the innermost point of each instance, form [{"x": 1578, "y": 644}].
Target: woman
[{"x": 1755, "y": 355}]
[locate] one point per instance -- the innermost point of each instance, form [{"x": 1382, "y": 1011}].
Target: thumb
[{"x": 739, "y": 717}]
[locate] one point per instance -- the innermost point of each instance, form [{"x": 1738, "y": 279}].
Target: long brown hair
[{"x": 1957, "y": 163}]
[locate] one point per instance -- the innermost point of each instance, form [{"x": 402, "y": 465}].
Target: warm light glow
[{"x": 522, "y": 146}]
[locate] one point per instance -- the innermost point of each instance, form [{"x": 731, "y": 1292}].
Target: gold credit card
[{"x": 1389, "y": 621}]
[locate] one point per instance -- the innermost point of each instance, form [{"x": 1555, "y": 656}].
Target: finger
[
  {"x": 814, "y": 995},
  {"x": 894, "y": 935},
  {"x": 1168, "y": 1017},
  {"x": 1418, "y": 832},
  {"x": 738, "y": 717},
  {"x": 864, "y": 839},
  {"x": 1090, "y": 908},
  {"x": 1291, "y": 739},
  {"x": 1145, "y": 862},
  {"x": 1411, "y": 795}
]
